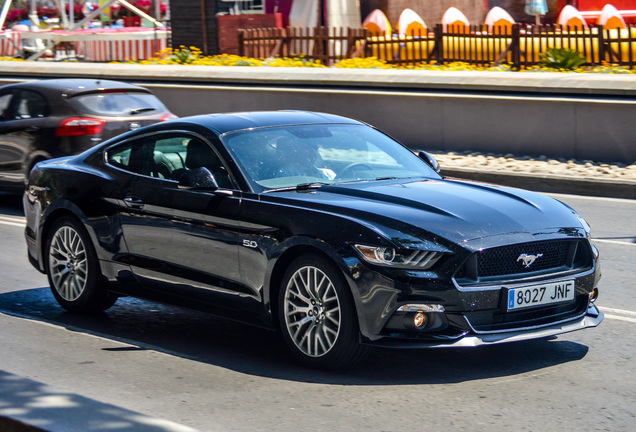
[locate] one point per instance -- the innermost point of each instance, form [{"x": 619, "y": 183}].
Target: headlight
[
  {"x": 400, "y": 258},
  {"x": 583, "y": 222}
]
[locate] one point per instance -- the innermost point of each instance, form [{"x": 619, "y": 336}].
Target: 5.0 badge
[{"x": 250, "y": 243}]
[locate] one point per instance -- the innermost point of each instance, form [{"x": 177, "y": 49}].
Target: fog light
[
  {"x": 419, "y": 320},
  {"x": 593, "y": 295}
]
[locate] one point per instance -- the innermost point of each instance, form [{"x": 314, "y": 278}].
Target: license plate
[{"x": 538, "y": 295}]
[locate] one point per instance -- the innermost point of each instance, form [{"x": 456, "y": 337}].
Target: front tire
[
  {"x": 73, "y": 270},
  {"x": 317, "y": 316}
]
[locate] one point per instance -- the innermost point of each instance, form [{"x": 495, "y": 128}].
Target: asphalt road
[{"x": 143, "y": 366}]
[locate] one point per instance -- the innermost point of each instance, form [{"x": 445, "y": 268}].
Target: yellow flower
[{"x": 193, "y": 56}]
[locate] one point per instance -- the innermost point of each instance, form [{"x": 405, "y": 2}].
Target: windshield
[
  {"x": 289, "y": 156},
  {"x": 118, "y": 103}
]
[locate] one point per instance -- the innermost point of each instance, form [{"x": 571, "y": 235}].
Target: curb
[
  {"x": 474, "y": 81},
  {"x": 549, "y": 183}
]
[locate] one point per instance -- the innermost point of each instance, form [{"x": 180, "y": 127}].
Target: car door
[
  {"x": 181, "y": 242},
  {"x": 23, "y": 116}
]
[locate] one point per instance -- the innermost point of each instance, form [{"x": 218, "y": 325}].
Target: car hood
[{"x": 456, "y": 210}]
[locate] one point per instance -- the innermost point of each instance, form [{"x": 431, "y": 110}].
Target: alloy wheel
[
  {"x": 68, "y": 263},
  {"x": 312, "y": 311}
]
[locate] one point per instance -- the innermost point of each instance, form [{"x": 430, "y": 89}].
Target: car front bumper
[{"x": 592, "y": 318}]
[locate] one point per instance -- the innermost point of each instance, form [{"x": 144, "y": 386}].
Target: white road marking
[
  {"x": 619, "y": 314},
  {"x": 595, "y": 240},
  {"x": 16, "y": 221},
  {"x": 617, "y": 311},
  {"x": 12, "y": 218},
  {"x": 505, "y": 381},
  {"x": 620, "y": 318}
]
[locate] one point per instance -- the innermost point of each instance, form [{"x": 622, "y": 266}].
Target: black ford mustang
[{"x": 314, "y": 224}]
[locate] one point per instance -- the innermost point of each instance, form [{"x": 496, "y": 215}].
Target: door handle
[{"x": 133, "y": 202}]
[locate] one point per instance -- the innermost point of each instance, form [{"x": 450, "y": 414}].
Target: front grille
[
  {"x": 525, "y": 259},
  {"x": 510, "y": 259}
]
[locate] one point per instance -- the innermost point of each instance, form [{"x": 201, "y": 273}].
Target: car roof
[
  {"x": 73, "y": 87},
  {"x": 230, "y": 122}
]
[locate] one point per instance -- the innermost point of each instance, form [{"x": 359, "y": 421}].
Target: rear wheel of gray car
[
  {"x": 73, "y": 270},
  {"x": 317, "y": 315}
]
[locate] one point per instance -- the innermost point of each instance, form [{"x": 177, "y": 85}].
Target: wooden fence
[
  {"x": 517, "y": 45},
  {"x": 326, "y": 44}
]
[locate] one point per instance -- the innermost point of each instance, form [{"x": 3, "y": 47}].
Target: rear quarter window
[
  {"x": 118, "y": 104},
  {"x": 120, "y": 157}
]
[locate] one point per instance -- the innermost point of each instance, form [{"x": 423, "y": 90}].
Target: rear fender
[{"x": 104, "y": 230}]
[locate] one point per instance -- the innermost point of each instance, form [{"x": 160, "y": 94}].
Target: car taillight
[
  {"x": 76, "y": 126},
  {"x": 168, "y": 116}
]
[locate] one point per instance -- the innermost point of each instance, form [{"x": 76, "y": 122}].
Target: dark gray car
[{"x": 45, "y": 119}]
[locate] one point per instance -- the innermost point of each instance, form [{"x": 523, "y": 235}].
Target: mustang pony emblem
[{"x": 527, "y": 260}]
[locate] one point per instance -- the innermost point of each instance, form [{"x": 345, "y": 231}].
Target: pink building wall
[{"x": 282, "y": 6}]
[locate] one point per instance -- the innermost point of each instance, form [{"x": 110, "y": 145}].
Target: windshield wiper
[
  {"x": 300, "y": 187},
  {"x": 311, "y": 185},
  {"x": 140, "y": 110}
]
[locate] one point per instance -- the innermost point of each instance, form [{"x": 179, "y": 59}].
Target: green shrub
[{"x": 562, "y": 58}]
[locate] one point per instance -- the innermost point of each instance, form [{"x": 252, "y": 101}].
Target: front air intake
[{"x": 520, "y": 260}]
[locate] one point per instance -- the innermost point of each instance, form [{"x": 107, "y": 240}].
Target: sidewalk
[{"x": 542, "y": 174}]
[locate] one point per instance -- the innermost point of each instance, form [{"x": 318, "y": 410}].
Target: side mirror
[
  {"x": 198, "y": 178},
  {"x": 430, "y": 160}
]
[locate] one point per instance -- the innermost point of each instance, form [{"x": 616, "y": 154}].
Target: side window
[
  {"x": 168, "y": 157},
  {"x": 175, "y": 155},
  {"x": 30, "y": 105},
  {"x": 5, "y": 99}
]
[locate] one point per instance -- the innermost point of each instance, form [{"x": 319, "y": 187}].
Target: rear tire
[
  {"x": 73, "y": 269},
  {"x": 317, "y": 315}
]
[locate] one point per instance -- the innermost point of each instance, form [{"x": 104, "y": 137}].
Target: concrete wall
[
  {"x": 582, "y": 116},
  {"x": 556, "y": 127}
]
